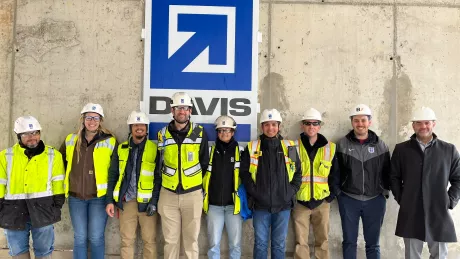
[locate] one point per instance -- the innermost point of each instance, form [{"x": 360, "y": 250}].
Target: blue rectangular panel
[
  {"x": 242, "y": 134},
  {"x": 209, "y": 31}
]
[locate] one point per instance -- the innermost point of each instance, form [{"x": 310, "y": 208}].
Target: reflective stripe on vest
[
  {"x": 105, "y": 143},
  {"x": 236, "y": 181},
  {"x": 20, "y": 196},
  {"x": 316, "y": 179}
]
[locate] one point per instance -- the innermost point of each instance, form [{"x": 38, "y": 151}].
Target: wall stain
[
  {"x": 396, "y": 109},
  {"x": 6, "y": 15},
  {"x": 272, "y": 94},
  {"x": 37, "y": 40}
]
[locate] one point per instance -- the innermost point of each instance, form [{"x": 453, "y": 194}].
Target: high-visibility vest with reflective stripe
[
  {"x": 21, "y": 178},
  {"x": 316, "y": 177},
  {"x": 236, "y": 181},
  {"x": 145, "y": 181},
  {"x": 101, "y": 157},
  {"x": 189, "y": 155},
  {"x": 255, "y": 153}
]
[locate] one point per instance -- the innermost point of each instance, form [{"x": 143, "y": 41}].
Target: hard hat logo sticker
[
  {"x": 223, "y": 122},
  {"x": 93, "y": 108},
  {"x": 358, "y": 109},
  {"x": 181, "y": 100},
  {"x": 31, "y": 126},
  {"x": 138, "y": 118},
  {"x": 269, "y": 116}
]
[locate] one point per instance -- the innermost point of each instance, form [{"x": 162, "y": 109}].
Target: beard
[
  {"x": 181, "y": 121},
  {"x": 32, "y": 145}
]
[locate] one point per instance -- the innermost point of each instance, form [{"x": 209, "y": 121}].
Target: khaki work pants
[
  {"x": 180, "y": 213},
  {"x": 129, "y": 217},
  {"x": 319, "y": 218}
]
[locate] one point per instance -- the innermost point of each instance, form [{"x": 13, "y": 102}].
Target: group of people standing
[{"x": 179, "y": 176}]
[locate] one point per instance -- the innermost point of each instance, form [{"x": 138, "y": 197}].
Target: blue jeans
[
  {"x": 88, "y": 220},
  {"x": 43, "y": 240},
  {"x": 217, "y": 217},
  {"x": 262, "y": 221},
  {"x": 372, "y": 213}
]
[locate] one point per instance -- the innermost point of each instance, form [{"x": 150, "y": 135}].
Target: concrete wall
[{"x": 393, "y": 55}]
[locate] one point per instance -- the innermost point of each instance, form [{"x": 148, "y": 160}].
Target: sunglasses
[
  {"x": 32, "y": 133},
  {"x": 224, "y": 131},
  {"x": 309, "y": 123},
  {"x": 94, "y": 118}
]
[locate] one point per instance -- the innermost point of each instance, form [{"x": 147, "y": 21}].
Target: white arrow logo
[{"x": 176, "y": 39}]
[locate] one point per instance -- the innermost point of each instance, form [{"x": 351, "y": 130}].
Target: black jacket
[
  {"x": 221, "y": 184},
  {"x": 334, "y": 174},
  {"x": 364, "y": 168},
  {"x": 179, "y": 136},
  {"x": 14, "y": 214},
  {"x": 114, "y": 174},
  {"x": 418, "y": 182},
  {"x": 272, "y": 190}
]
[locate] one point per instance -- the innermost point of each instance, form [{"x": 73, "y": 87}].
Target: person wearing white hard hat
[
  {"x": 87, "y": 156},
  {"x": 183, "y": 158},
  {"x": 271, "y": 173},
  {"x": 320, "y": 178},
  {"x": 220, "y": 185},
  {"x": 421, "y": 169},
  {"x": 130, "y": 188},
  {"x": 364, "y": 162},
  {"x": 31, "y": 191}
]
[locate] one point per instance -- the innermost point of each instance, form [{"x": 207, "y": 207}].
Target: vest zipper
[
  {"x": 179, "y": 167},
  {"x": 311, "y": 179}
]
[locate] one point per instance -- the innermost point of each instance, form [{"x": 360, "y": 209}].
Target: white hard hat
[
  {"x": 93, "y": 107},
  {"x": 225, "y": 121},
  {"x": 181, "y": 99},
  {"x": 424, "y": 114},
  {"x": 270, "y": 115},
  {"x": 361, "y": 109},
  {"x": 138, "y": 118},
  {"x": 26, "y": 124},
  {"x": 312, "y": 114}
]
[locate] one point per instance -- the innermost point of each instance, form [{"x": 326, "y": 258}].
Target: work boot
[{"x": 22, "y": 256}]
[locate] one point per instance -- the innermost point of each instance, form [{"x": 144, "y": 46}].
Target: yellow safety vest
[
  {"x": 236, "y": 181},
  {"x": 189, "y": 152},
  {"x": 21, "y": 178},
  {"x": 101, "y": 157},
  {"x": 321, "y": 167},
  {"x": 255, "y": 153},
  {"x": 145, "y": 181}
]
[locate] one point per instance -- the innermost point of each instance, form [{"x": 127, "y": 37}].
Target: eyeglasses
[
  {"x": 182, "y": 108},
  {"x": 224, "y": 131},
  {"x": 94, "y": 118},
  {"x": 309, "y": 123},
  {"x": 31, "y": 133}
]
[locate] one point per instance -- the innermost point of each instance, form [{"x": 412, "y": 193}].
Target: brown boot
[{"x": 22, "y": 256}]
